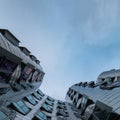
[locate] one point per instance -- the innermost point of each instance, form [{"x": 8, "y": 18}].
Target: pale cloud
[
  {"x": 102, "y": 20},
  {"x": 59, "y": 34}
]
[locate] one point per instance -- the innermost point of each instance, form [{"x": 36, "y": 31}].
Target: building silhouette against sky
[{"x": 21, "y": 98}]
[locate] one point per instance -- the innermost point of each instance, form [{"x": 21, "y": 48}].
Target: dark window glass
[
  {"x": 6, "y": 68},
  {"x": 39, "y": 78},
  {"x": 88, "y": 112},
  {"x": 7, "y": 65},
  {"x": 34, "y": 76},
  {"x": 101, "y": 111},
  {"x": 26, "y": 72}
]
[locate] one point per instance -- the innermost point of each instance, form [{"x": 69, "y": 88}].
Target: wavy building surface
[{"x": 21, "y": 98}]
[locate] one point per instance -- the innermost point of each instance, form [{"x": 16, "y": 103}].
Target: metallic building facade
[{"x": 21, "y": 99}]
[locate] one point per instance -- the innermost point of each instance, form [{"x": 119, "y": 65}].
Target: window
[
  {"x": 49, "y": 102},
  {"x": 3, "y": 116},
  {"x": 6, "y": 68},
  {"x": 37, "y": 96},
  {"x": 88, "y": 112},
  {"x": 40, "y": 92},
  {"x": 7, "y": 65},
  {"x": 101, "y": 111},
  {"x": 16, "y": 74},
  {"x": 40, "y": 116},
  {"x": 21, "y": 107},
  {"x": 47, "y": 108},
  {"x": 40, "y": 77},
  {"x": 84, "y": 103},
  {"x": 34, "y": 76},
  {"x": 51, "y": 99},
  {"x": 31, "y": 100},
  {"x": 27, "y": 71},
  {"x": 78, "y": 105}
]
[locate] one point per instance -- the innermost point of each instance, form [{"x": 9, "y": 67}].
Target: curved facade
[
  {"x": 100, "y": 100},
  {"x": 21, "y": 99}
]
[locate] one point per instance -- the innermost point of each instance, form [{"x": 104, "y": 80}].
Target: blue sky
[{"x": 75, "y": 40}]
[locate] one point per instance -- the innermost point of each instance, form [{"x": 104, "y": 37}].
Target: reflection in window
[
  {"x": 31, "y": 100},
  {"x": 16, "y": 74},
  {"x": 49, "y": 102},
  {"x": 37, "y": 96},
  {"x": 101, "y": 111},
  {"x": 6, "y": 68},
  {"x": 39, "y": 78},
  {"x": 88, "y": 112},
  {"x": 79, "y": 103},
  {"x": 26, "y": 72},
  {"x": 21, "y": 107},
  {"x": 83, "y": 104},
  {"x": 7, "y": 65},
  {"x": 34, "y": 76},
  {"x": 40, "y": 92},
  {"x": 3, "y": 116},
  {"x": 47, "y": 108},
  {"x": 40, "y": 116}
]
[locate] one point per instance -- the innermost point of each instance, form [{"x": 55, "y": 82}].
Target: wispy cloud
[{"x": 70, "y": 37}]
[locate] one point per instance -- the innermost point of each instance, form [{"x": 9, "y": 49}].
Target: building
[{"x": 21, "y": 99}]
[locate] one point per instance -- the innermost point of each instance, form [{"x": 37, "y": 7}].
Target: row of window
[
  {"x": 22, "y": 108},
  {"x": 90, "y": 110},
  {"x": 13, "y": 72},
  {"x": 47, "y": 106}
]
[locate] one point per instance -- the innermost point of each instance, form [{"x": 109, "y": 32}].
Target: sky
[{"x": 75, "y": 40}]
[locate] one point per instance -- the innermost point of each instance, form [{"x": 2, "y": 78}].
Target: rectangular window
[
  {"x": 34, "y": 76},
  {"x": 40, "y": 116},
  {"x": 3, "y": 116},
  {"x": 49, "y": 102},
  {"x": 37, "y": 96},
  {"x": 31, "y": 100},
  {"x": 47, "y": 108},
  {"x": 51, "y": 99},
  {"x": 26, "y": 72},
  {"x": 21, "y": 107},
  {"x": 40, "y": 92},
  {"x": 101, "y": 111},
  {"x": 6, "y": 68}
]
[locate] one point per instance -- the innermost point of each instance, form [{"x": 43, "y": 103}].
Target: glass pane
[
  {"x": 37, "y": 96},
  {"x": 40, "y": 92},
  {"x": 20, "y": 103},
  {"x": 6, "y": 68},
  {"x": 31, "y": 99},
  {"x": 25, "y": 109},
  {"x": 2, "y": 115},
  {"x": 21, "y": 107},
  {"x": 27, "y": 71},
  {"x": 18, "y": 108},
  {"x": 34, "y": 76},
  {"x": 46, "y": 107},
  {"x": 41, "y": 115}
]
